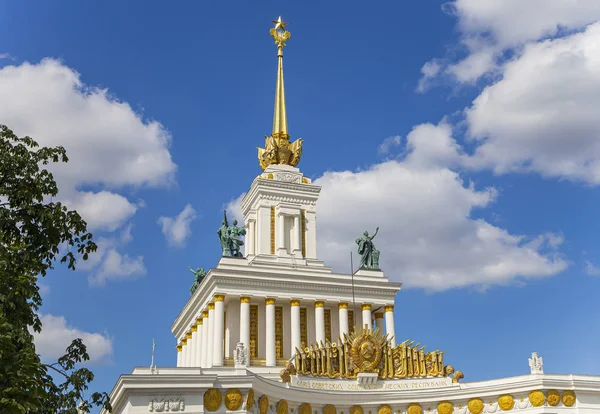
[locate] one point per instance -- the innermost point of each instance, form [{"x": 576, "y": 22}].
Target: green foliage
[{"x": 35, "y": 232}]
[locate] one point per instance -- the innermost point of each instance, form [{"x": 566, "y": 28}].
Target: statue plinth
[{"x": 369, "y": 273}]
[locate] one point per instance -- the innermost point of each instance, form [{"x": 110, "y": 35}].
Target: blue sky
[{"x": 467, "y": 131}]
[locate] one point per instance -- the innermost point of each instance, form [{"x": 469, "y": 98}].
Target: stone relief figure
[
  {"x": 536, "y": 364},
  {"x": 369, "y": 255},
  {"x": 229, "y": 237},
  {"x": 240, "y": 355},
  {"x": 199, "y": 273}
]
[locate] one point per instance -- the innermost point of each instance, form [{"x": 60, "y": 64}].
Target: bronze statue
[{"x": 369, "y": 255}]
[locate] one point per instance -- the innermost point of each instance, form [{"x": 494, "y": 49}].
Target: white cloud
[
  {"x": 542, "y": 115},
  {"x": 388, "y": 144},
  {"x": 591, "y": 269},
  {"x": 117, "y": 266},
  {"x": 108, "y": 144},
  {"x": 177, "y": 229},
  {"x": 57, "y": 335},
  {"x": 44, "y": 289}
]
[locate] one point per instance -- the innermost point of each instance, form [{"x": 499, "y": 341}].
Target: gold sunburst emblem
[{"x": 366, "y": 348}]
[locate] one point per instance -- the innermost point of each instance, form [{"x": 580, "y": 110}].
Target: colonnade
[{"x": 203, "y": 344}]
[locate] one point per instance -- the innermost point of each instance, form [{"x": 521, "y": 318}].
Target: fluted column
[
  {"x": 179, "y": 354},
  {"x": 366, "y": 316},
  {"x": 389, "y": 324},
  {"x": 245, "y": 322},
  {"x": 295, "y": 325},
  {"x": 270, "y": 349},
  {"x": 204, "y": 350},
  {"x": 379, "y": 321},
  {"x": 188, "y": 352},
  {"x": 184, "y": 352},
  {"x": 193, "y": 344},
  {"x": 218, "y": 330},
  {"x": 319, "y": 321},
  {"x": 343, "y": 314},
  {"x": 198, "y": 343},
  {"x": 211, "y": 334}
]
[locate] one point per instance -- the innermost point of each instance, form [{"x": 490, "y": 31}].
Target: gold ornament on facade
[
  {"x": 212, "y": 399},
  {"x": 272, "y": 228},
  {"x": 553, "y": 398},
  {"x": 445, "y": 407},
  {"x": 219, "y": 298},
  {"x": 305, "y": 408},
  {"x": 366, "y": 306},
  {"x": 204, "y": 314},
  {"x": 506, "y": 402},
  {"x": 244, "y": 299},
  {"x": 188, "y": 335},
  {"x": 356, "y": 409},
  {"x": 294, "y": 302},
  {"x": 179, "y": 348},
  {"x": 343, "y": 305},
  {"x": 184, "y": 341},
  {"x": 475, "y": 406},
  {"x": 536, "y": 398},
  {"x": 263, "y": 404},
  {"x": 269, "y": 301},
  {"x": 414, "y": 408},
  {"x": 568, "y": 398},
  {"x": 233, "y": 399},
  {"x": 195, "y": 328},
  {"x": 389, "y": 308},
  {"x": 384, "y": 409},
  {"x": 319, "y": 304},
  {"x": 303, "y": 230},
  {"x": 282, "y": 407},
  {"x": 211, "y": 306},
  {"x": 250, "y": 399},
  {"x": 329, "y": 409}
]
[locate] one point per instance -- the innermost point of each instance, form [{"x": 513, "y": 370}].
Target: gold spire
[{"x": 278, "y": 149}]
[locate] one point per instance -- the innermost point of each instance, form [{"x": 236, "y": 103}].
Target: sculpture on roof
[
  {"x": 229, "y": 236},
  {"x": 199, "y": 273},
  {"x": 369, "y": 255}
]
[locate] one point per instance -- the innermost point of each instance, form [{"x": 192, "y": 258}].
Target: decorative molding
[
  {"x": 219, "y": 298},
  {"x": 253, "y": 331},
  {"x": 211, "y": 306},
  {"x": 240, "y": 355},
  {"x": 166, "y": 404},
  {"x": 279, "y": 331},
  {"x": 389, "y": 308},
  {"x": 366, "y": 306},
  {"x": 303, "y": 231},
  {"x": 343, "y": 305},
  {"x": 244, "y": 299},
  {"x": 319, "y": 304},
  {"x": 269, "y": 301},
  {"x": 294, "y": 302},
  {"x": 272, "y": 230},
  {"x": 536, "y": 364}
]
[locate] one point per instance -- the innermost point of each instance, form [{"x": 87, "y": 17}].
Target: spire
[{"x": 280, "y": 34}]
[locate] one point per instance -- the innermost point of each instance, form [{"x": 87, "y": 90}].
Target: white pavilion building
[{"x": 276, "y": 331}]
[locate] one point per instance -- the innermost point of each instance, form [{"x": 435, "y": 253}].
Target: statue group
[
  {"x": 229, "y": 236},
  {"x": 369, "y": 255}
]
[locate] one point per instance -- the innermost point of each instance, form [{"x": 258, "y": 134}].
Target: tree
[{"x": 35, "y": 233}]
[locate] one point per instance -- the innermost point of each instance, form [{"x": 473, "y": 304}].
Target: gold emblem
[
  {"x": 282, "y": 407},
  {"x": 212, "y": 399},
  {"x": 445, "y": 408},
  {"x": 233, "y": 399},
  {"x": 356, "y": 409},
  {"x": 305, "y": 408},
  {"x": 384, "y": 409},
  {"x": 475, "y": 406},
  {"x": 250, "y": 399},
  {"x": 506, "y": 402},
  {"x": 553, "y": 398},
  {"x": 536, "y": 398},
  {"x": 366, "y": 349},
  {"x": 263, "y": 404},
  {"x": 414, "y": 408},
  {"x": 568, "y": 398},
  {"x": 329, "y": 409}
]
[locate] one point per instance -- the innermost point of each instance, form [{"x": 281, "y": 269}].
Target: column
[
  {"x": 320, "y": 322},
  {"x": 389, "y": 324},
  {"x": 295, "y": 325},
  {"x": 343, "y": 314},
  {"x": 188, "y": 352},
  {"x": 211, "y": 335},
  {"x": 297, "y": 239},
  {"x": 245, "y": 322},
  {"x": 204, "y": 353},
  {"x": 198, "y": 342},
  {"x": 366, "y": 316},
  {"x": 280, "y": 235},
  {"x": 184, "y": 351},
  {"x": 218, "y": 330},
  {"x": 379, "y": 322},
  {"x": 193, "y": 344},
  {"x": 179, "y": 354},
  {"x": 251, "y": 237},
  {"x": 271, "y": 358}
]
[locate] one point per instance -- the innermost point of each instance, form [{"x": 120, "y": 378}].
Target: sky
[{"x": 467, "y": 130}]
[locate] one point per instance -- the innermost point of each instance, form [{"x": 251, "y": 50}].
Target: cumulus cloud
[
  {"x": 388, "y": 144},
  {"x": 591, "y": 269},
  {"x": 542, "y": 115},
  {"x": 177, "y": 229},
  {"x": 57, "y": 335},
  {"x": 109, "y": 145}
]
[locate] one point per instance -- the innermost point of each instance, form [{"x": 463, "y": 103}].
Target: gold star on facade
[{"x": 279, "y": 24}]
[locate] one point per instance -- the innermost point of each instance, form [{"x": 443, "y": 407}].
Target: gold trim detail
[
  {"x": 350, "y": 320},
  {"x": 366, "y": 306},
  {"x": 303, "y": 231},
  {"x": 253, "y": 331},
  {"x": 188, "y": 335},
  {"x": 282, "y": 407},
  {"x": 269, "y": 301},
  {"x": 553, "y": 398},
  {"x": 269, "y": 176},
  {"x": 263, "y": 404},
  {"x": 356, "y": 409},
  {"x": 319, "y": 304},
  {"x": 379, "y": 315},
  {"x": 384, "y": 409},
  {"x": 184, "y": 341},
  {"x": 475, "y": 406},
  {"x": 329, "y": 409},
  {"x": 272, "y": 230},
  {"x": 250, "y": 399},
  {"x": 212, "y": 399},
  {"x": 343, "y": 305},
  {"x": 294, "y": 302},
  {"x": 244, "y": 299},
  {"x": 219, "y": 298},
  {"x": 328, "y": 324},
  {"x": 179, "y": 348},
  {"x": 233, "y": 399},
  {"x": 279, "y": 331},
  {"x": 506, "y": 402},
  {"x": 389, "y": 308},
  {"x": 305, "y": 408},
  {"x": 303, "y": 329},
  {"x": 195, "y": 328},
  {"x": 414, "y": 408},
  {"x": 537, "y": 398},
  {"x": 445, "y": 407},
  {"x": 211, "y": 306},
  {"x": 204, "y": 314},
  {"x": 568, "y": 398},
  {"x": 199, "y": 320}
]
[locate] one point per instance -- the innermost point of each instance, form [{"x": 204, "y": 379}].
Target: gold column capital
[
  {"x": 179, "y": 348},
  {"x": 244, "y": 299},
  {"x": 194, "y": 328},
  {"x": 184, "y": 341},
  {"x": 379, "y": 315},
  {"x": 389, "y": 308},
  {"x": 204, "y": 314},
  {"x": 211, "y": 306},
  {"x": 199, "y": 320},
  {"x": 269, "y": 301},
  {"x": 366, "y": 306},
  {"x": 219, "y": 298},
  {"x": 188, "y": 335},
  {"x": 319, "y": 303},
  {"x": 343, "y": 305},
  {"x": 294, "y": 302}
]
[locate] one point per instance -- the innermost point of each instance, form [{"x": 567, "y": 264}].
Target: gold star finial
[{"x": 279, "y": 24}]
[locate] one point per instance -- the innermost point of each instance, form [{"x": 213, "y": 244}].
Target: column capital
[
  {"x": 179, "y": 348},
  {"x": 319, "y": 303},
  {"x": 269, "y": 301},
  {"x": 184, "y": 341},
  {"x": 188, "y": 335},
  {"x": 366, "y": 306},
  {"x": 379, "y": 315},
  {"x": 211, "y": 306},
  {"x": 343, "y": 305},
  {"x": 219, "y": 298},
  {"x": 294, "y": 302},
  {"x": 204, "y": 314},
  {"x": 199, "y": 320},
  {"x": 244, "y": 299},
  {"x": 389, "y": 308},
  {"x": 194, "y": 328}
]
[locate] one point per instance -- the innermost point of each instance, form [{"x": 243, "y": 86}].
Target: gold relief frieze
[
  {"x": 329, "y": 409},
  {"x": 537, "y": 398},
  {"x": 384, "y": 409},
  {"x": 303, "y": 328},
  {"x": 356, "y": 409},
  {"x": 282, "y": 407},
  {"x": 475, "y": 406},
  {"x": 305, "y": 408},
  {"x": 553, "y": 398},
  {"x": 506, "y": 402},
  {"x": 273, "y": 230},
  {"x": 279, "y": 331},
  {"x": 568, "y": 398},
  {"x": 351, "y": 320},
  {"x": 328, "y": 325},
  {"x": 253, "y": 331},
  {"x": 263, "y": 404},
  {"x": 250, "y": 399},
  {"x": 414, "y": 408},
  {"x": 212, "y": 399},
  {"x": 233, "y": 399},
  {"x": 303, "y": 230},
  {"x": 445, "y": 407}
]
